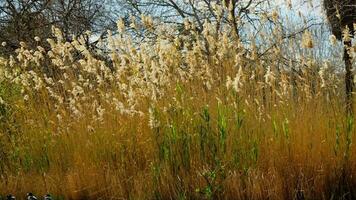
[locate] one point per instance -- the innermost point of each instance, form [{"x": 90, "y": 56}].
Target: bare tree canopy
[
  {"x": 341, "y": 13},
  {"x": 175, "y": 11},
  {"x": 23, "y": 20}
]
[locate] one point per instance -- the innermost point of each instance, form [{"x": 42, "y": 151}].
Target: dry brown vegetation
[{"x": 186, "y": 116}]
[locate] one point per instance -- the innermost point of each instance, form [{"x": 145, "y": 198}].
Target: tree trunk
[{"x": 349, "y": 79}]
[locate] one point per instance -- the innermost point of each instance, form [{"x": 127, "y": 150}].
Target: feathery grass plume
[
  {"x": 307, "y": 41},
  {"x": 183, "y": 115}
]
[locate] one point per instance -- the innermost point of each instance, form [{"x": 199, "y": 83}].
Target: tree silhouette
[{"x": 341, "y": 15}]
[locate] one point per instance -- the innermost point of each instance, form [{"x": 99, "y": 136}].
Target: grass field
[{"x": 187, "y": 116}]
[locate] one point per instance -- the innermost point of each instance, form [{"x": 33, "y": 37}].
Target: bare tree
[
  {"x": 342, "y": 16},
  {"x": 235, "y": 14},
  {"x": 22, "y": 20},
  {"x": 74, "y": 17}
]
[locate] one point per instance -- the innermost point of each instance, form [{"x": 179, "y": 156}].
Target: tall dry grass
[{"x": 186, "y": 116}]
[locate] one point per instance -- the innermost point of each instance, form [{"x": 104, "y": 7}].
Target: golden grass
[{"x": 269, "y": 133}]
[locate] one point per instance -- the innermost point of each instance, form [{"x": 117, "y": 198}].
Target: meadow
[{"x": 185, "y": 116}]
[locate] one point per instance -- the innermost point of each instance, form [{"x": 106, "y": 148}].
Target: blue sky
[{"x": 307, "y": 7}]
